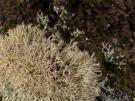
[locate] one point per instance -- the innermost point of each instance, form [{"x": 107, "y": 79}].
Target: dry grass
[{"x": 34, "y": 68}]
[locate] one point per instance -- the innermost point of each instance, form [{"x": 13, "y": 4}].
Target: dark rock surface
[{"x": 109, "y": 96}]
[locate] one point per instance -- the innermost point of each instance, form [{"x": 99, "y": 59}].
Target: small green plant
[
  {"x": 108, "y": 52},
  {"x": 42, "y": 20},
  {"x": 77, "y": 33},
  {"x": 63, "y": 17}
]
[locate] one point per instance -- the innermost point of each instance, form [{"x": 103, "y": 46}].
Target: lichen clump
[{"x": 36, "y": 68}]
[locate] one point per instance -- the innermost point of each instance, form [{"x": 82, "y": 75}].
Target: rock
[{"x": 110, "y": 96}]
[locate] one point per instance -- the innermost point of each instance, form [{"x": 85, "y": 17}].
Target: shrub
[{"x": 36, "y": 68}]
